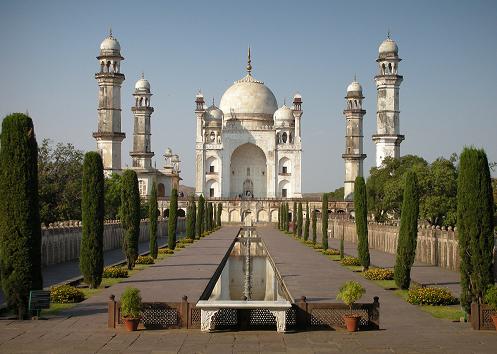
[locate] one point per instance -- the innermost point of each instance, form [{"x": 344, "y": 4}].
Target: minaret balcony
[
  {"x": 354, "y": 156},
  {"x": 284, "y": 174},
  {"x": 208, "y": 173},
  {"x": 109, "y": 135}
]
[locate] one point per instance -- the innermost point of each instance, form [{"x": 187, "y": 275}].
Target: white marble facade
[{"x": 248, "y": 147}]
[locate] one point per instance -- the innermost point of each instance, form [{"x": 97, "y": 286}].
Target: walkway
[
  {"x": 422, "y": 273},
  {"x": 405, "y": 329}
]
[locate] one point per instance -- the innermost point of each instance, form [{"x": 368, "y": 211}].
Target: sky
[{"x": 448, "y": 51}]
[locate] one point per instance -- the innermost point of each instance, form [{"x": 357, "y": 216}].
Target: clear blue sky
[{"x": 448, "y": 49}]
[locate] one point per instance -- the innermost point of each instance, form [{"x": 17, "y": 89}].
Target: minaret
[
  {"x": 297, "y": 113},
  {"x": 109, "y": 136},
  {"x": 387, "y": 137},
  {"x": 142, "y": 154},
  {"x": 199, "y": 144},
  {"x": 353, "y": 155}
]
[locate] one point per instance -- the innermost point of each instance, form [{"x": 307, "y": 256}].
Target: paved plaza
[{"x": 404, "y": 328}]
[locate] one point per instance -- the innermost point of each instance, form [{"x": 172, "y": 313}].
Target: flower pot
[
  {"x": 131, "y": 324},
  {"x": 351, "y": 322},
  {"x": 494, "y": 318}
]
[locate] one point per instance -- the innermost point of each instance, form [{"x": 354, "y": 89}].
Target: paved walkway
[
  {"x": 405, "y": 329},
  {"x": 422, "y": 273}
]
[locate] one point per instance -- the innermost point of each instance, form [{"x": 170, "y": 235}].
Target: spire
[
  {"x": 388, "y": 34},
  {"x": 249, "y": 66},
  {"x": 110, "y": 32},
  {"x": 143, "y": 75},
  {"x": 355, "y": 77},
  {"x": 213, "y": 101}
]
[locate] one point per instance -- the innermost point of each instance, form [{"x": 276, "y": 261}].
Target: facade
[
  {"x": 109, "y": 136},
  {"x": 248, "y": 147},
  {"x": 353, "y": 155},
  {"x": 388, "y": 137}
]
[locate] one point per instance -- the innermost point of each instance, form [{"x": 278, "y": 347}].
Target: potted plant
[
  {"x": 349, "y": 293},
  {"x": 490, "y": 299},
  {"x": 131, "y": 304}
]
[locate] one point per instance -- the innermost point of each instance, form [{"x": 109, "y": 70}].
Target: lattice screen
[
  {"x": 225, "y": 318},
  {"x": 195, "y": 318},
  {"x": 262, "y": 317},
  {"x": 159, "y": 316},
  {"x": 487, "y": 322},
  {"x": 334, "y": 317}
]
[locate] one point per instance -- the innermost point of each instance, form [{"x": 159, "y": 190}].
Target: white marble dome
[
  {"x": 110, "y": 43},
  {"x": 284, "y": 113},
  {"x": 213, "y": 113},
  {"x": 354, "y": 87},
  {"x": 248, "y": 96},
  {"x": 142, "y": 85},
  {"x": 388, "y": 47}
]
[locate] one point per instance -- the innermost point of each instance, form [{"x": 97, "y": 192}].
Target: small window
[
  {"x": 248, "y": 171},
  {"x": 285, "y": 169},
  {"x": 211, "y": 192},
  {"x": 211, "y": 168},
  {"x": 283, "y": 192}
]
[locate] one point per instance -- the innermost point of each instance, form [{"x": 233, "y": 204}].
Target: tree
[
  {"x": 300, "y": 218},
  {"x": 314, "y": 224},
  {"x": 279, "y": 217},
  {"x": 337, "y": 195},
  {"x": 219, "y": 211},
  {"x": 60, "y": 170},
  {"x": 287, "y": 217},
  {"x": 130, "y": 216},
  {"x": 214, "y": 216},
  {"x": 199, "y": 222},
  {"x": 324, "y": 222},
  {"x": 190, "y": 226},
  {"x": 474, "y": 225},
  {"x": 408, "y": 232},
  {"x": 294, "y": 219},
  {"x": 173, "y": 219},
  {"x": 20, "y": 231},
  {"x": 194, "y": 217},
  {"x": 361, "y": 221},
  {"x": 307, "y": 222},
  {"x": 153, "y": 211},
  {"x": 113, "y": 188},
  {"x": 91, "y": 259}
]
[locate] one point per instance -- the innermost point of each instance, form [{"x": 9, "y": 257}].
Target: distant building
[
  {"x": 248, "y": 147},
  {"x": 109, "y": 135}
]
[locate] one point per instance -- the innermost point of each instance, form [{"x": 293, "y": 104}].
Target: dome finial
[
  {"x": 284, "y": 101},
  {"x": 143, "y": 75},
  {"x": 355, "y": 77},
  {"x": 249, "y": 61},
  {"x": 213, "y": 101},
  {"x": 388, "y": 33},
  {"x": 110, "y": 32}
]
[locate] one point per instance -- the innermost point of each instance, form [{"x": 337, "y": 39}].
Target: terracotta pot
[
  {"x": 131, "y": 324},
  {"x": 351, "y": 322},
  {"x": 494, "y": 318}
]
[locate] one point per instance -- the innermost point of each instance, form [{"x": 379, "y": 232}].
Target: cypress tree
[
  {"x": 91, "y": 258},
  {"x": 194, "y": 217},
  {"x": 130, "y": 216},
  {"x": 287, "y": 217},
  {"x": 213, "y": 212},
  {"x": 324, "y": 221},
  {"x": 299, "y": 220},
  {"x": 173, "y": 219},
  {"x": 152, "y": 218},
  {"x": 20, "y": 230},
  {"x": 219, "y": 211},
  {"x": 361, "y": 221},
  {"x": 408, "y": 232},
  {"x": 279, "y": 217},
  {"x": 206, "y": 217},
  {"x": 190, "y": 225},
  {"x": 307, "y": 222},
  {"x": 199, "y": 222},
  {"x": 294, "y": 219},
  {"x": 475, "y": 225},
  {"x": 314, "y": 222}
]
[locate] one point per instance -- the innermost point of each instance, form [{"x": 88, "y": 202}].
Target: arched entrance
[{"x": 248, "y": 172}]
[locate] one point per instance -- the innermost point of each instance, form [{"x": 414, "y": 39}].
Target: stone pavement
[
  {"x": 404, "y": 328},
  {"x": 422, "y": 273}
]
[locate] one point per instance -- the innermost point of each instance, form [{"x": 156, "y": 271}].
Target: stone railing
[
  {"x": 435, "y": 245},
  {"x": 61, "y": 241}
]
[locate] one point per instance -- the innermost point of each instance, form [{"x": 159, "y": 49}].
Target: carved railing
[{"x": 481, "y": 317}]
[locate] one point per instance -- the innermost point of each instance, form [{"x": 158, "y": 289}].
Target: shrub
[
  {"x": 378, "y": 274},
  {"x": 131, "y": 303},
  {"x": 309, "y": 242},
  {"x": 490, "y": 297},
  {"x": 145, "y": 260},
  {"x": 199, "y": 220},
  {"x": 115, "y": 272},
  {"x": 186, "y": 240},
  {"x": 350, "y": 292},
  {"x": 165, "y": 251},
  {"x": 331, "y": 252},
  {"x": 66, "y": 294},
  {"x": 351, "y": 261},
  {"x": 317, "y": 246},
  {"x": 430, "y": 296}
]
